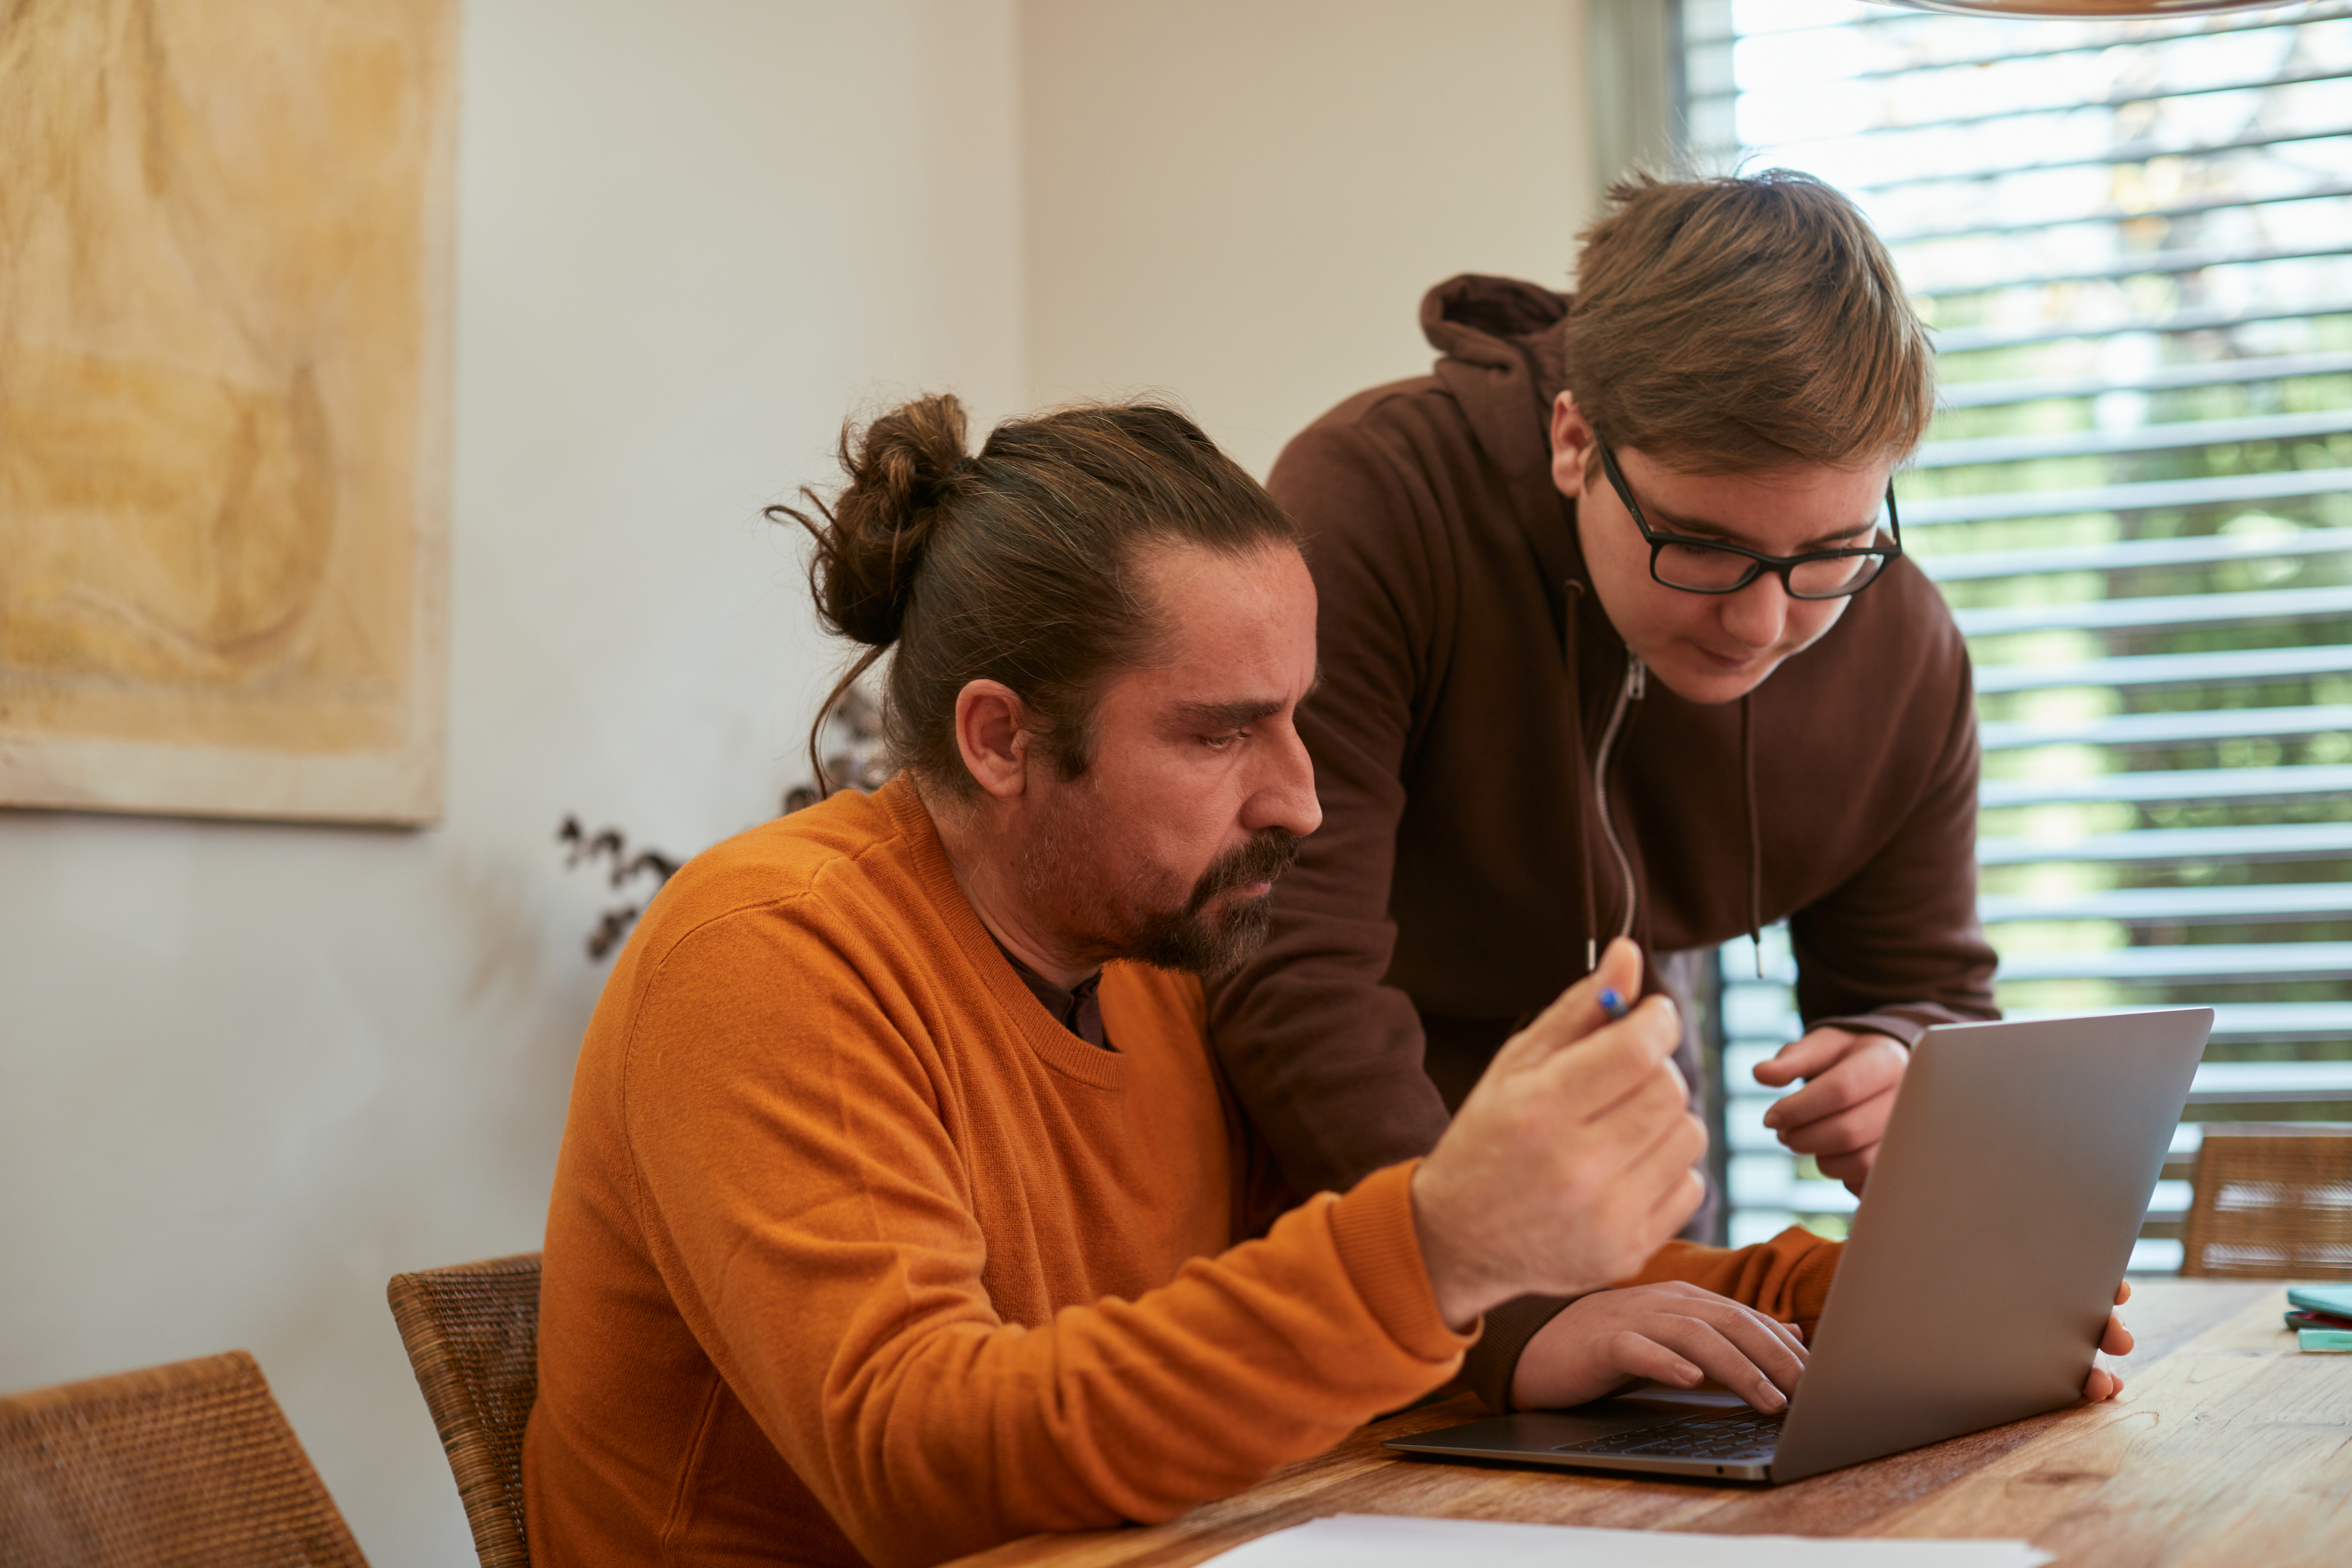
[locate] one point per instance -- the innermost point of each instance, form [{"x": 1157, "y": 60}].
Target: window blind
[{"x": 2131, "y": 239}]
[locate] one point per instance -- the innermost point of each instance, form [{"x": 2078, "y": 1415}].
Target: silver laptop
[{"x": 1978, "y": 1276}]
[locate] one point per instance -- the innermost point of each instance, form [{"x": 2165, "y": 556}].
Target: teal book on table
[{"x": 2335, "y": 1300}]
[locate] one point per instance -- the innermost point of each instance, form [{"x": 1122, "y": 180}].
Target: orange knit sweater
[{"x": 853, "y": 1253}]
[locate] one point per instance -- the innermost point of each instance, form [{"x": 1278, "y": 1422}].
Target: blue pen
[{"x": 1616, "y": 1006}]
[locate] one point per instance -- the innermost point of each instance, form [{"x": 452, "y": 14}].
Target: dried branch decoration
[
  {"x": 861, "y": 762},
  {"x": 612, "y": 844}
]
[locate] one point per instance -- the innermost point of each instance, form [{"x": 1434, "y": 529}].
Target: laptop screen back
[{"x": 1996, "y": 1222}]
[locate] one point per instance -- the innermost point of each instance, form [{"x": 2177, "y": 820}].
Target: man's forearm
[{"x": 947, "y": 1436}]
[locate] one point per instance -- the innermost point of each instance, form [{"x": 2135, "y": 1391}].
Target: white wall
[
  {"x": 248, "y": 1073},
  {"x": 1243, "y": 201}
]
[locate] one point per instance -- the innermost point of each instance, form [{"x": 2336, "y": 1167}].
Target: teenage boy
[{"x": 1618, "y": 639}]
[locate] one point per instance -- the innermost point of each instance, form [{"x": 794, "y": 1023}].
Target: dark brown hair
[
  {"x": 1743, "y": 325},
  {"x": 1015, "y": 565}
]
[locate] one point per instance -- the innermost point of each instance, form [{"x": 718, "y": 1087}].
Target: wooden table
[{"x": 2228, "y": 1447}]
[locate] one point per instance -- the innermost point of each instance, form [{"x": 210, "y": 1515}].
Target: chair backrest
[
  {"x": 2273, "y": 1201},
  {"x": 191, "y": 1464},
  {"x": 472, "y": 1332}
]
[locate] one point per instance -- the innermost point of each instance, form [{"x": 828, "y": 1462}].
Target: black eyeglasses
[{"x": 1703, "y": 566}]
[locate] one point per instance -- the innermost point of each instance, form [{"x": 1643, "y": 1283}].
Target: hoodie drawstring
[
  {"x": 1636, "y": 683},
  {"x": 1571, "y": 601},
  {"x": 1755, "y": 837}
]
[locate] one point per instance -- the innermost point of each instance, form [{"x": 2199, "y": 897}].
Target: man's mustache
[{"x": 1262, "y": 859}]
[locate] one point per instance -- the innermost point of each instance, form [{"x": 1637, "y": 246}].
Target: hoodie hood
[
  {"x": 1502, "y": 364},
  {"x": 1500, "y": 340},
  {"x": 1464, "y": 316}
]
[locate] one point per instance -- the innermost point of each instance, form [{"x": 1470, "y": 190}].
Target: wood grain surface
[{"x": 2228, "y": 1447}]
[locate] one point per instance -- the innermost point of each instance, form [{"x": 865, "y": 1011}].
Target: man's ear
[
  {"x": 1571, "y": 445},
  {"x": 991, "y": 730}
]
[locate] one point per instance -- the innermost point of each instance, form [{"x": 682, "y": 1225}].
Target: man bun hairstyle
[
  {"x": 901, "y": 472},
  {"x": 1744, "y": 325},
  {"x": 1016, "y": 566}
]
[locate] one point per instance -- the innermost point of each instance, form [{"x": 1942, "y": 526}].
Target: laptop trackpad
[
  {"x": 1704, "y": 1400},
  {"x": 1540, "y": 1430}
]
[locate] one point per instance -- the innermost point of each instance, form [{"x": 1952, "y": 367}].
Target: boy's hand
[{"x": 1839, "y": 1117}]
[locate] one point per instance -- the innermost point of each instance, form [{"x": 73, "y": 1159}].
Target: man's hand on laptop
[
  {"x": 1682, "y": 1336},
  {"x": 1839, "y": 1117},
  {"x": 1673, "y": 1333},
  {"x": 1569, "y": 1163}
]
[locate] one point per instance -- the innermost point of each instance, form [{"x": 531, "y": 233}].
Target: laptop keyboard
[{"x": 1745, "y": 1437}]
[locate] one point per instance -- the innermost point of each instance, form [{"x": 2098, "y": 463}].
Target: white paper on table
[{"x": 1381, "y": 1540}]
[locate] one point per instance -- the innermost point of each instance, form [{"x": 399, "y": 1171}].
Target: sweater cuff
[
  {"x": 1894, "y": 1026},
  {"x": 1494, "y": 1361},
  {"x": 1808, "y": 1285},
  {"x": 1373, "y": 1228}
]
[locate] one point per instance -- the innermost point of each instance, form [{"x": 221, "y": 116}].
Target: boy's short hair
[{"x": 1745, "y": 324}]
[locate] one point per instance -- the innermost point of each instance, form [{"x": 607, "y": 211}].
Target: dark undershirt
[{"x": 1078, "y": 1010}]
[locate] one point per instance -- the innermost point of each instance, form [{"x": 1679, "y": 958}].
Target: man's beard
[
  {"x": 1192, "y": 939},
  {"x": 1109, "y": 917}
]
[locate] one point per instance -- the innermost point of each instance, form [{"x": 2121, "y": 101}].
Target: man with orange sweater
[{"x": 898, "y": 1209}]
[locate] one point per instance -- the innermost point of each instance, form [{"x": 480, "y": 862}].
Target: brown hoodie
[{"x": 1470, "y": 676}]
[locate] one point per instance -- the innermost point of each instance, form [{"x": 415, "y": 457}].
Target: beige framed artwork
[{"x": 224, "y": 275}]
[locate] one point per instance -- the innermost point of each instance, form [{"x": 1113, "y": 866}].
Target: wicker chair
[
  {"x": 191, "y": 1464},
  {"x": 472, "y": 1332},
  {"x": 2273, "y": 1201}
]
